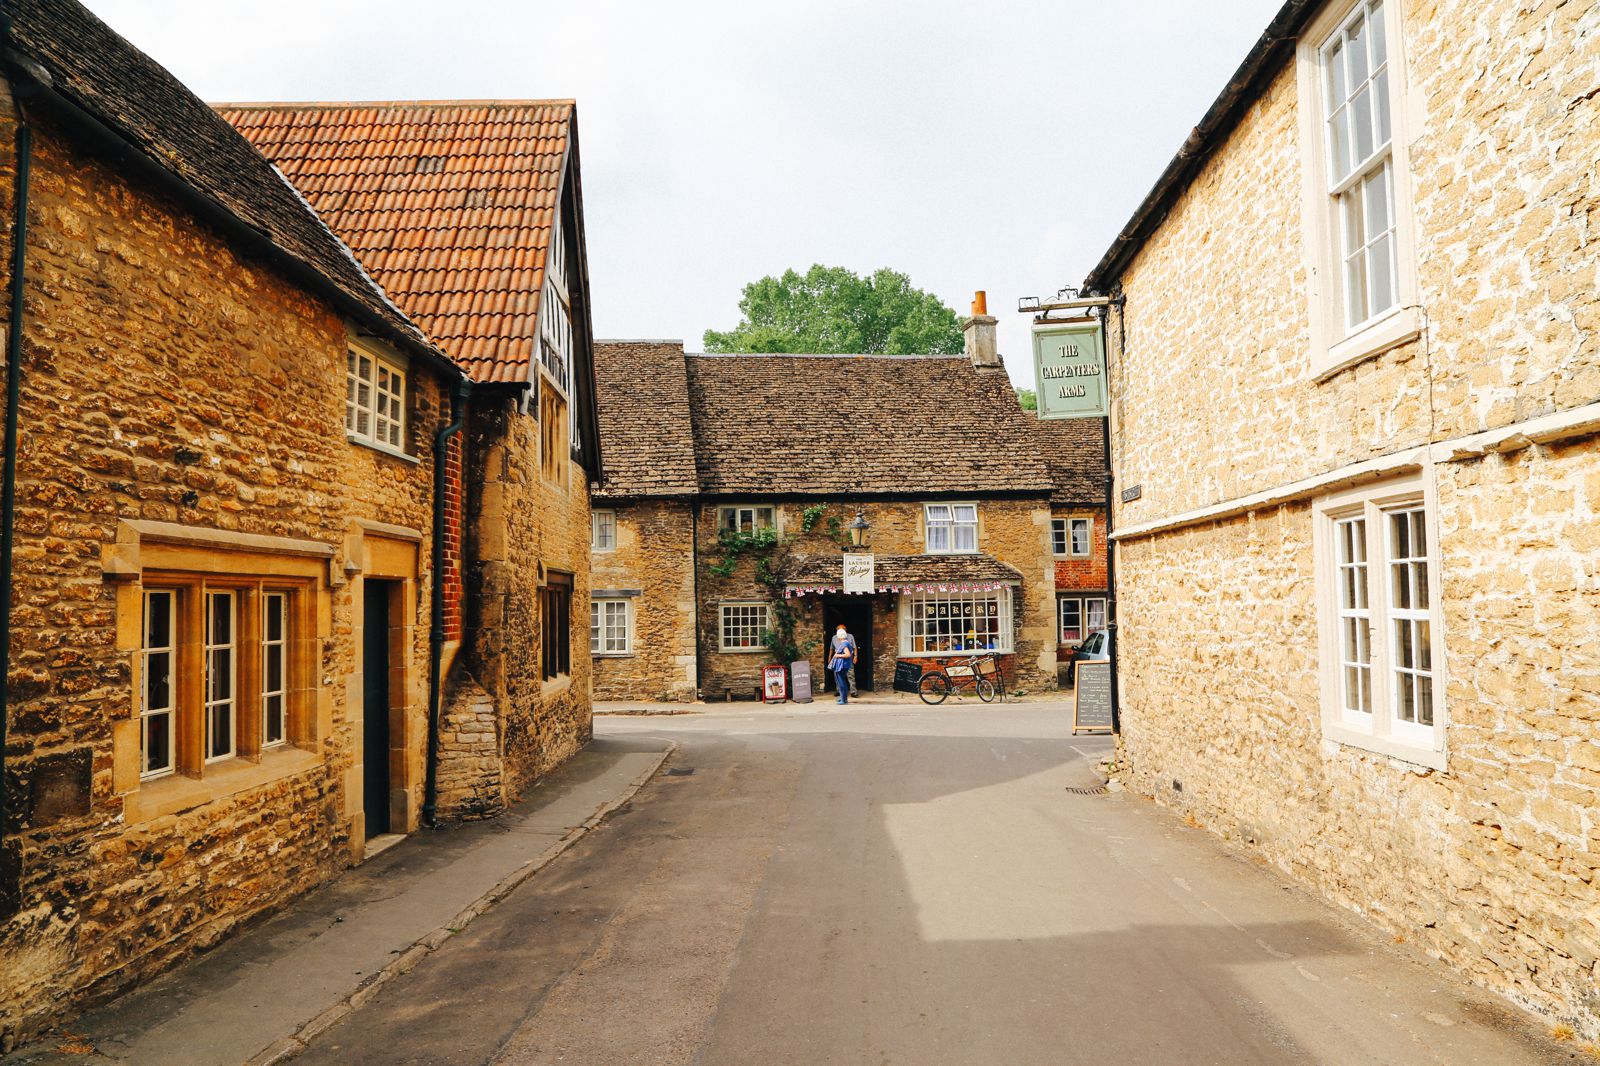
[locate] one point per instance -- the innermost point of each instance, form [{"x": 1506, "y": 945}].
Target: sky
[{"x": 997, "y": 146}]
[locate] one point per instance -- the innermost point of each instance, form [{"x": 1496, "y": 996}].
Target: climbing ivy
[{"x": 769, "y": 551}]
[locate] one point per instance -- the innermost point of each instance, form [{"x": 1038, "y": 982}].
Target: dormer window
[{"x": 375, "y": 400}]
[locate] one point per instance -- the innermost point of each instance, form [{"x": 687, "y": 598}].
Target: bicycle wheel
[
  {"x": 985, "y": 690},
  {"x": 933, "y": 688}
]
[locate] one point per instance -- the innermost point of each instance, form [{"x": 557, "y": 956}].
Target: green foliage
[
  {"x": 833, "y": 310},
  {"x": 811, "y": 515},
  {"x": 768, "y": 549},
  {"x": 1027, "y": 399}
]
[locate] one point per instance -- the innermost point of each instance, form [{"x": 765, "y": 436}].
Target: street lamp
[{"x": 858, "y": 528}]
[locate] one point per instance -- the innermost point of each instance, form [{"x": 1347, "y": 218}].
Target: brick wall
[
  {"x": 654, "y": 557},
  {"x": 166, "y": 378},
  {"x": 1489, "y": 864}
]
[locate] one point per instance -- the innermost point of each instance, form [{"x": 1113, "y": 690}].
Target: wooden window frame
[
  {"x": 951, "y": 525},
  {"x": 598, "y": 623},
  {"x": 744, "y": 626},
  {"x": 555, "y": 626},
  {"x": 1086, "y": 629},
  {"x": 597, "y": 521},
  {"x": 909, "y": 622},
  {"x": 385, "y": 430}
]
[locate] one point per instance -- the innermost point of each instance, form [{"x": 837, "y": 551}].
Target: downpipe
[{"x": 441, "y": 448}]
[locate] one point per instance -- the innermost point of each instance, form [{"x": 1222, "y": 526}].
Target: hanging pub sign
[
  {"x": 1069, "y": 368},
  {"x": 859, "y": 573}
]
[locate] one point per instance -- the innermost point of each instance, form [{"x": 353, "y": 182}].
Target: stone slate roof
[
  {"x": 837, "y": 424},
  {"x": 450, "y": 204},
  {"x": 99, "y": 73},
  {"x": 1074, "y": 449},
  {"x": 642, "y": 393},
  {"x": 899, "y": 570}
]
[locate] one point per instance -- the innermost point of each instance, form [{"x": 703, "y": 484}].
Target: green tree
[
  {"x": 1027, "y": 399},
  {"x": 834, "y": 311}
]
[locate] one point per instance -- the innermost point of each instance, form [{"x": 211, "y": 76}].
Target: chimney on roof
[{"x": 979, "y": 333}]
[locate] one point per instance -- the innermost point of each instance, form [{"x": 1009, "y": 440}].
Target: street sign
[
  {"x": 1091, "y": 697},
  {"x": 1069, "y": 368},
  {"x": 860, "y": 572}
]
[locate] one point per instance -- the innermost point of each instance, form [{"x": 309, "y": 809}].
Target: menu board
[{"x": 1091, "y": 697}]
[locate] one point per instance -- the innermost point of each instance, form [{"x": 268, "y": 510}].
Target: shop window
[
  {"x": 938, "y": 623},
  {"x": 555, "y": 603},
  {"x": 735, "y": 519},
  {"x": 951, "y": 527},
  {"x": 602, "y": 531},
  {"x": 1381, "y": 653},
  {"x": 743, "y": 626},
  {"x": 375, "y": 400},
  {"x": 609, "y": 627}
]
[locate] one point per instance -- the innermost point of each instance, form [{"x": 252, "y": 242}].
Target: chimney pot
[
  {"x": 980, "y": 303},
  {"x": 978, "y": 332}
]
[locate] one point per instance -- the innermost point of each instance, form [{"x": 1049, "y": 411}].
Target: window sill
[
  {"x": 1386, "y": 746},
  {"x": 554, "y": 686},
  {"x": 176, "y": 793},
  {"x": 951, "y": 551},
  {"x": 952, "y": 654},
  {"x": 611, "y": 655},
  {"x": 1398, "y": 327},
  {"x": 393, "y": 453},
  {"x": 743, "y": 651}
]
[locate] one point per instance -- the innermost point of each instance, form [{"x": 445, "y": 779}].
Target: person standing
[{"x": 842, "y": 661}]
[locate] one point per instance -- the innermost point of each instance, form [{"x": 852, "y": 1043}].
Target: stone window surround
[
  {"x": 1061, "y": 537},
  {"x": 1378, "y": 732},
  {"x": 167, "y": 555},
  {"x": 597, "y": 523},
  {"x": 976, "y": 523},
  {"x": 397, "y": 365},
  {"x": 722, "y": 627},
  {"x": 1333, "y": 347},
  {"x": 597, "y": 605}
]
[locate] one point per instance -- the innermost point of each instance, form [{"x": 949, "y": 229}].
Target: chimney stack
[{"x": 979, "y": 331}]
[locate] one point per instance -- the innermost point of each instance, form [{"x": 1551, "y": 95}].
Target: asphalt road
[{"x": 895, "y": 885}]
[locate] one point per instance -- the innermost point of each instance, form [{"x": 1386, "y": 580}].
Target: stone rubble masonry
[
  {"x": 167, "y": 379},
  {"x": 1490, "y": 864},
  {"x": 1015, "y": 531},
  {"x": 519, "y": 527},
  {"x": 654, "y": 558}
]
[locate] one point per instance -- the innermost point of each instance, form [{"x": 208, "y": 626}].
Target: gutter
[
  {"x": 8, "y": 477},
  {"x": 441, "y": 448},
  {"x": 1275, "y": 44}
]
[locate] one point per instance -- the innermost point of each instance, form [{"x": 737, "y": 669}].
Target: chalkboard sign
[
  {"x": 906, "y": 675},
  {"x": 1091, "y": 698},
  {"x": 801, "y": 671},
  {"x": 774, "y": 684}
]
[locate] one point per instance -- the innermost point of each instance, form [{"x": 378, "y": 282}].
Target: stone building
[
  {"x": 731, "y": 481},
  {"x": 1361, "y": 587},
  {"x": 470, "y": 215},
  {"x": 220, "y": 574},
  {"x": 1074, "y": 450}
]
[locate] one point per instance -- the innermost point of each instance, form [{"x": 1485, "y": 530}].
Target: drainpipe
[
  {"x": 441, "y": 447},
  {"x": 694, "y": 575},
  {"x": 8, "y": 478}
]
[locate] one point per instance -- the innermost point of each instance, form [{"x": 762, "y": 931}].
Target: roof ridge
[
  {"x": 307, "y": 105},
  {"x": 822, "y": 355}
]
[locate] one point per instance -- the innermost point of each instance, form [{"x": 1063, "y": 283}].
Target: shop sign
[
  {"x": 860, "y": 573},
  {"x": 774, "y": 684},
  {"x": 1069, "y": 369}
]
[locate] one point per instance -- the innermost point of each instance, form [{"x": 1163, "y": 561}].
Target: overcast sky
[{"x": 996, "y": 145}]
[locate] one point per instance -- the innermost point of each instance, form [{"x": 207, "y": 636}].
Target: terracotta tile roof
[
  {"x": 642, "y": 393},
  {"x": 900, "y": 571},
  {"x": 99, "y": 73},
  {"x": 449, "y": 204},
  {"x": 832, "y": 424},
  {"x": 1075, "y": 450}
]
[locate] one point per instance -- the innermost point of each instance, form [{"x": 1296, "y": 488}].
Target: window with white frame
[
  {"x": 1080, "y": 536},
  {"x": 944, "y": 623},
  {"x": 555, "y": 314},
  {"x": 603, "y": 530},
  {"x": 742, "y": 519},
  {"x": 374, "y": 399},
  {"x": 1381, "y": 641},
  {"x": 274, "y": 668},
  {"x": 1353, "y": 96},
  {"x": 609, "y": 628},
  {"x": 1079, "y": 617},
  {"x": 157, "y": 703},
  {"x": 221, "y": 668},
  {"x": 743, "y": 626},
  {"x": 951, "y": 527}
]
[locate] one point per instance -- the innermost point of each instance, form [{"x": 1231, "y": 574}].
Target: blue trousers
[{"x": 841, "y": 682}]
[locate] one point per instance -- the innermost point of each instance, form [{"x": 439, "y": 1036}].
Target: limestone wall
[
  {"x": 654, "y": 557},
  {"x": 168, "y": 379},
  {"x": 1489, "y": 863}
]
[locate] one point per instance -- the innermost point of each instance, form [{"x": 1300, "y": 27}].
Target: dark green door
[{"x": 375, "y": 705}]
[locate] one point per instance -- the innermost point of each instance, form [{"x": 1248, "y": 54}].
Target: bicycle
[{"x": 937, "y": 683}]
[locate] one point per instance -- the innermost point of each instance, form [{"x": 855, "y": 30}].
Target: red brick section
[
  {"x": 1084, "y": 574},
  {"x": 451, "y": 582}
]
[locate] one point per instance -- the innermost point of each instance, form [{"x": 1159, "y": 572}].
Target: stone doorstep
[{"x": 331, "y": 951}]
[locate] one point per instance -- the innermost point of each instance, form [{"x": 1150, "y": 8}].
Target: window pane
[
  {"x": 1356, "y": 50},
  {"x": 966, "y": 513},
  {"x": 1380, "y": 104},
  {"x": 1375, "y": 31},
  {"x": 157, "y": 736},
  {"x": 275, "y": 612},
  {"x": 220, "y": 731},
  {"x": 1422, "y": 645},
  {"x": 938, "y": 512},
  {"x": 159, "y": 632},
  {"x": 1405, "y": 654},
  {"x": 966, "y": 538},
  {"x": 1339, "y": 145},
  {"x": 1405, "y": 699},
  {"x": 1375, "y": 193},
  {"x": 938, "y": 538},
  {"x": 1338, "y": 89},
  {"x": 1361, "y": 114},
  {"x": 1419, "y": 581},
  {"x": 1424, "y": 700},
  {"x": 1381, "y": 264},
  {"x": 1096, "y": 614}
]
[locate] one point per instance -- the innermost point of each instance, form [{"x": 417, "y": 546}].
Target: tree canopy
[
  {"x": 830, "y": 310},
  {"x": 1027, "y": 399}
]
